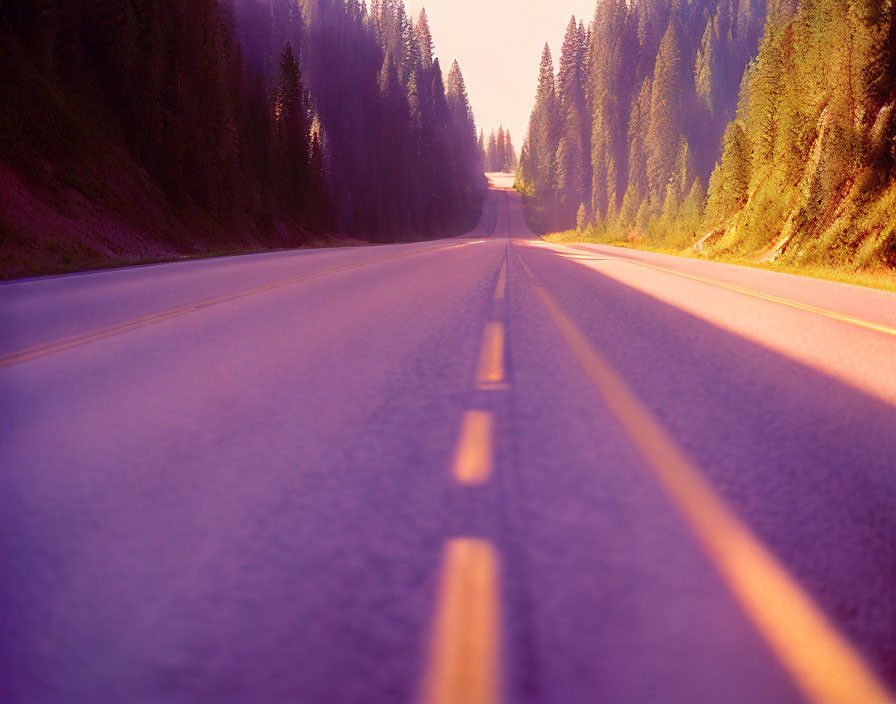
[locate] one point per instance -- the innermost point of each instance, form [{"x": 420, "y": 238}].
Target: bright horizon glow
[{"x": 498, "y": 44}]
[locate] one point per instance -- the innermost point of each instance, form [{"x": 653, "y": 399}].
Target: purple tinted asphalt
[{"x": 248, "y": 501}]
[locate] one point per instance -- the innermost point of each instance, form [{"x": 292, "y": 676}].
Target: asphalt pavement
[{"x": 477, "y": 470}]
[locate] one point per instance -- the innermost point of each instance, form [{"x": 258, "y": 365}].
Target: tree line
[
  {"x": 401, "y": 137},
  {"x": 498, "y": 153},
  {"x": 726, "y": 125},
  {"x": 811, "y": 157},
  {"x": 260, "y": 115}
]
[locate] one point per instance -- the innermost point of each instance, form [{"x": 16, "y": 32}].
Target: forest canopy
[
  {"x": 217, "y": 123},
  {"x": 726, "y": 126},
  {"x": 498, "y": 151}
]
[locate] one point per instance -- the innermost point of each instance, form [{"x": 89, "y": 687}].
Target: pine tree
[
  {"x": 318, "y": 197},
  {"x": 764, "y": 97},
  {"x": 663, "y": 130},
  {"x": 585, "y": 40},
  {"x": 704, "y": 69},
  {"x": 491, "y": 152},
  {"x": 569, "y": 77},
  {"x": 732, "y": 177},
  {"x": 605, "y": 158},
  {"x": 571, "y": 155},
  {"x": 570, "y": 179},
  {"x": 510, "y": 154},
  {"x": 546, "y": 104},
  {"x": 638, "y": 183},
  {"x": 538, "y": 165},
  {"x": 424, "y": 39},
  {"x": 684, "y": 175},
  {"x": 292, "y": 130},
  {"x": 688, "y": 219},
  {"x": 416, "y": 119},
  {"x": 613, "y": 59},
  {"x": 465, "y": 153},
  {"x": 582, "y": 218},
  {"x": 500, "y": 150},
  {"x": 458, "y": 101},
  {"x": 440, "y": 171},
  {"x": 392, "y": 105},
  {"x": 526, "y": 175},
  {"x": 413, "y": 59}
]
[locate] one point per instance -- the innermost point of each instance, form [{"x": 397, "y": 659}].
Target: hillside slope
[
  {"x": 808, "y": 172},
  {"x": 74, "y": 197},
  {"x": 804, "y": 148},
  {"x": 134, "y": 130}
]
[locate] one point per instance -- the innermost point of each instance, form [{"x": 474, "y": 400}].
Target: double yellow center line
[
  {"x": 490, "y": 370},
  {"x": 464, "y": 663},
  {"x": 474, "y": 455},
  {"x": 502, "y": 282}
]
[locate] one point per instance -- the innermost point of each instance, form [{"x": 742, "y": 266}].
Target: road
[{"x": 478, "y": 470}]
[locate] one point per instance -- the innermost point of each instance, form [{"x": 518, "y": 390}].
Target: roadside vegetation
[
  {"x": 498, "y": 152},
  {"x": 134, "y": 130},
  {"x": 740, "y": 131},
  {"x": 883, "y": 278}
]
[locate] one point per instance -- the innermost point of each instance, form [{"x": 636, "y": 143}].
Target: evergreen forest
[
  {"x": 137, "y": 129},
  {"x": 498, "y": 153},
  {"x": 743, "y": 128}
]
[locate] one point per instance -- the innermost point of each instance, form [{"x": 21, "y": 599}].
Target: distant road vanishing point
[{"x": 476, "y": 470}]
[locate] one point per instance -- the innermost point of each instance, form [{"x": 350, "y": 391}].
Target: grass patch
[{"x": 883, "y": 278}]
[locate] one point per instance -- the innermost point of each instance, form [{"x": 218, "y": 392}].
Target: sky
[{"x": 498, "y": 44}]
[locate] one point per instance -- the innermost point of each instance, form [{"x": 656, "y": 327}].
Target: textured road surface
[{"x": 261, "y": 479}]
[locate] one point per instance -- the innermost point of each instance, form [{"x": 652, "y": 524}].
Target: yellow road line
[
  {"x": 532, "y": 277},
  {"x": 842, "y": 317},
  {"x": 464, "y": 663},
  {"x": 490, "y": 370},
  {"x": 55, "y": 346},
  {"x": 821, "y": 661},
  {"x": 502, "y": 281},
  {"x": 473, "y": 458}
]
